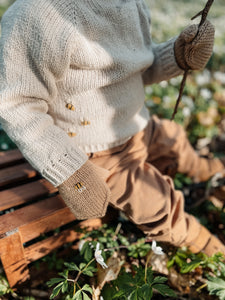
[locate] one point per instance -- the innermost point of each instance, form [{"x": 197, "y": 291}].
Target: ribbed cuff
[
  {"x": 64, "y": 165},
  {"x": 164, "y": 53}
]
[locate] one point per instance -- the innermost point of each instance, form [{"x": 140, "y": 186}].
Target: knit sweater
[{"x": 71, "y": 78}]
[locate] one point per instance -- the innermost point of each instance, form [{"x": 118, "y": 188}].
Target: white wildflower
[
  {"x": 99, "y": 258},
  {"x": 203, "y": 78},
  {"x": 101, "y": 298},
  {"x": 206, "y": 93},
  {"x": 156, "y": 249},
  {"x": 175, "y": 81},
  {"x": 163, "y": 84},
  {"x": 186, "y": 111},
  {"x": 148, "y": 90},
  {"x": 220, "y": 77},
  {"x": 188, "y": 102},
  {"x": 166, "y": 100},
  {"x": 81, "y": 244}
]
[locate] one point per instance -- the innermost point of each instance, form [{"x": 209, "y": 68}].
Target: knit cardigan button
[
  {"x": 84, "y": 123},
  {"x": 70, "y": 106},
  {"x": 71, "y": 134}
]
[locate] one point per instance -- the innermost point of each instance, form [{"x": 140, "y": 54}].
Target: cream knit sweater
[{"x": 71, "y": 78}]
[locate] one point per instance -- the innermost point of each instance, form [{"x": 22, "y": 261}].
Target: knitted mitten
[
  {"x": 86, "y": 192},
  {"x": 207, "y": 243},
  {"x": 191, "y": 52}
]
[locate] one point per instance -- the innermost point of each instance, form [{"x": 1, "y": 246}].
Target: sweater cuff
[
  {"x": 63, "y": 165},
  {"x": 165, "y": 56}
]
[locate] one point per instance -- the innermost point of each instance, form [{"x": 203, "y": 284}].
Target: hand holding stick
[{"x": 204, "y": 14}]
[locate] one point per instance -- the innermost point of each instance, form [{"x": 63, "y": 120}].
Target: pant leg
[
  {"x": 171, "y": 152},
  {"x": 147, "y": 197}
]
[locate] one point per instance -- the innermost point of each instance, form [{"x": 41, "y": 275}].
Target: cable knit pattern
[{"x": 71, "y": 78}]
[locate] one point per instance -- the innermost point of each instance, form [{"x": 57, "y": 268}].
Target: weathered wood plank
[
  {"x": 30, "y": 213},
  {"x": 13, "y": 259},
  {"x": 24, "y": 193},
  {"x": 42, "y": 248},
  {"x": 47, "y": 223},
  {"x": 10, "y": 157},
  {"x": 16, "y": 174}
]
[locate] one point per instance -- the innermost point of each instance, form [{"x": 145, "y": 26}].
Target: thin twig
[
  {"x": 182, "y": 85},
  {"x": 204, "y": 14}
]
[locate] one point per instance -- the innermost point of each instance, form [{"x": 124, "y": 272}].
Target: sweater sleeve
[
  {"x": 164, "y": 65},
  {"x": 32, "y": 60}
]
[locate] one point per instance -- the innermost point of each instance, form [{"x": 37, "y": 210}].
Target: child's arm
[
  {"x": 174, "y": 56},
  {"x": 32, "y": 63}
]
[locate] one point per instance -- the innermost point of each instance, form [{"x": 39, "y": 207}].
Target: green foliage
[
  {"x": 216, "y": 286},
  {"x": 138, "y": 285},
  {"x": 4, "y": 286},
  {"x": 139, "y": 249}
]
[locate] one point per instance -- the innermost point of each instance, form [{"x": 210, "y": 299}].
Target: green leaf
[
  {"x": 65, "y": 286},
  {"x": 86, "y": 251},
  {"x": 159, "y": 280},
  {"x": 71, "y": 266},
  {"x": 133, "y": 295},
  {"x": 53, "y": 281},
  {"x": 82, "y": 266},
  {"x": 150, "y": 276},
  {"x": 87, "y": 288},
  {"x": 118, "y": 295},
  {"x": 85, "y": 296},
  {"x": 188, "y": 267},
  {"x": 164, "y": 290},
  {"x": 146, "y": 291},
  {"x": 64, "y": 274},
  {"x": 56, "y": 290},
  {"x": 78, "y": 295},
  {"x": 216, "y": 286},
  {"x": 88, "y": 273},
  {"x": 3, "y": 289}
]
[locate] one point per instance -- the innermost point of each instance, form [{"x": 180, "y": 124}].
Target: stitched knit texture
[
  {"x": 71, "y": 78},
  {"x": 86, "y": 193},
  {"x": 194, "y": 52}
]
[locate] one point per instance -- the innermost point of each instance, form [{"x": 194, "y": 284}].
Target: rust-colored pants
[{"x": 140, "y": 184}]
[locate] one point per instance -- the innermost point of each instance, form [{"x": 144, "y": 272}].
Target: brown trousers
[{"x": 140, "y": 184}]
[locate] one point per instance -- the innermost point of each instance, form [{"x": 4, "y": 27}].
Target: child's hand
[
  {"x": 86, "y": 192},
  {"x": 194, "y": 53}
]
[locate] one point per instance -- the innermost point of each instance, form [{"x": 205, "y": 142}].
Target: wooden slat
[
  {"x": 9, "y": 158},
  {"x": 46, "y": 223},
  {"x": 30, "y": 213},
  {"x": 25, "y": 193},
  {"x": 40, "y": 249},
  {"x": 44, "y": 247},
  {"x": 13, "y": 259},
  {"x": 16, "y": 174}
]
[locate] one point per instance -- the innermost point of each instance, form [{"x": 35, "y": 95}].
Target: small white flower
[
  {"x": 206, "y": 93},
  {"x": 156, "y": 249},
  {"x": 186, "y": 111},
  {"x": 163, "y": 84},
  {"x": 99, "y": 258},
  {"x": 81, "y": 244},
  {"x": 101, "y": 298},
  {"x": 203, "y": 78}
]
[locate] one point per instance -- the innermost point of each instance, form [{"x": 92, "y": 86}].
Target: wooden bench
[{"x": 30, "y": 207}]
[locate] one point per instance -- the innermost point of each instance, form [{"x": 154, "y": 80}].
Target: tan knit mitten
[
  {"x": 191, "y": 52},
  {"x": 86, "y": 192}
]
